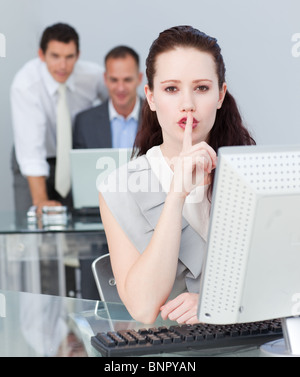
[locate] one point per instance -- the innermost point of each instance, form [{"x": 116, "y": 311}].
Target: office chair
[{"x": 104, "y": 279}]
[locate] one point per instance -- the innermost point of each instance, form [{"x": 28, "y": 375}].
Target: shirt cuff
[{"x": 35, "y": 169}]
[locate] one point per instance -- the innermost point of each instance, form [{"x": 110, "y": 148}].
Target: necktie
[{"x": 63, "y": 144}]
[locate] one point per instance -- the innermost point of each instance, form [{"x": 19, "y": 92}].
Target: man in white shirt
[{"x": 34, "y": 99}]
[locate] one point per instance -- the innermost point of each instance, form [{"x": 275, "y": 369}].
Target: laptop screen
[{"x": 88, "y": 166}]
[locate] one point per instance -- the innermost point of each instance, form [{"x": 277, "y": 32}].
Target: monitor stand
[{"x": 289, "y": 346}]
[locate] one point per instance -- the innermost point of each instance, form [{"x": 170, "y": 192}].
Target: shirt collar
[
  {"x": 51, "y": 84},
  {"x": 113, "y": 112}
]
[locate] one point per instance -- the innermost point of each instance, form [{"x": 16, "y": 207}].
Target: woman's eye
[
  {"x": 171, "y": 89},
  {"x": 202, "y": 88}
]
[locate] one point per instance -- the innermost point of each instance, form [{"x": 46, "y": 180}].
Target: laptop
[{"x": 88, "y": 168}]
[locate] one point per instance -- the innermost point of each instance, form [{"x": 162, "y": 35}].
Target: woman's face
[{"x": 185, "y": 80}]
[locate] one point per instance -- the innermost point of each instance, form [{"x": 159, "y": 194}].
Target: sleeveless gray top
[{"x": 135, "y": 197}]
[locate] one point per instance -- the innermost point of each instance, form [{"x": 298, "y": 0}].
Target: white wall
[{"x": 255, "y": 36}]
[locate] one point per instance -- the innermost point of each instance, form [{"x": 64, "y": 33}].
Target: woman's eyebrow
[
  {"x": 167, "y": 81},
  {"x": 201, "y": 80},
  {"x": 178, "y": 81}
]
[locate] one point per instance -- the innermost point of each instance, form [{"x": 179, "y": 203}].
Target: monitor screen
[{"x": 252, "y": 267}]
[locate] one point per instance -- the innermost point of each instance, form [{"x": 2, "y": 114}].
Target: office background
[{"x": 263, "y": 66}]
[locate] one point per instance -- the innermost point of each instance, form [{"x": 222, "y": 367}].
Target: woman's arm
[{"x": 145, "y": 280}]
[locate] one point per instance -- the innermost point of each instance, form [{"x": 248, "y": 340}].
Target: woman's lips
[{"x": 182, "y": 123}]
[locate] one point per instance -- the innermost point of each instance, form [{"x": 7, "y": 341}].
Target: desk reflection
[
  {"x": 37, "y": 325},
  {"x": 40, "y": 325}
]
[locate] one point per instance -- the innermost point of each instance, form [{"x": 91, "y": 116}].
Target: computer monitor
[{"x": 252, "y": 266}]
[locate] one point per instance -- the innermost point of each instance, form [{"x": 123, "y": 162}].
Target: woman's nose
[{"x": 188, "y": 103}]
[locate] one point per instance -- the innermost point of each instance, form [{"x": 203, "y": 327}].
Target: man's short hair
[
  {"x": 122, "y": 52},
  {"x": 59, "y": 32}
]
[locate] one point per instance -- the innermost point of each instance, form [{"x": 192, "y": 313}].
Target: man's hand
[{"x": 38, "y": 190}]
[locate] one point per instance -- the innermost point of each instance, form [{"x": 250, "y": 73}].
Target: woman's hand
[
  {"x": 194, "y": 164},
  {"x": 182, "y": 309}
]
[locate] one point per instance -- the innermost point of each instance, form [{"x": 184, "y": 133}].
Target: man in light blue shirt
[
  {"x": 114, "y": 123},
  {"x": 123, "y": 129}
]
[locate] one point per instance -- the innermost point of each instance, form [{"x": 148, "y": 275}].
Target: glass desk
[
  {"x": 42, "y": 256},
  {"x": 40, "y": 325}
]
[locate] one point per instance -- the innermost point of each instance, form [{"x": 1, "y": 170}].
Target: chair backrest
[{"x": 104, "y": 279}]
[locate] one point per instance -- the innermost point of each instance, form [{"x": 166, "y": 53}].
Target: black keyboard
[{"x": 184, "y": 338}]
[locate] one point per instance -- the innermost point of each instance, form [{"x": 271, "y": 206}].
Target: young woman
[{"x": 155, "y": 210}]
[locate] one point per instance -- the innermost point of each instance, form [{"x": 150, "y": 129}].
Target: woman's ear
[
  {"x": 149, "y": 96},
  {"x": 222, "y": 94}
]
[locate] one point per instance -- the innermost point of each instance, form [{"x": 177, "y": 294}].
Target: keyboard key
[
  {"x": 106, "y": 340},
  {"x": 118, "y": 339}
]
